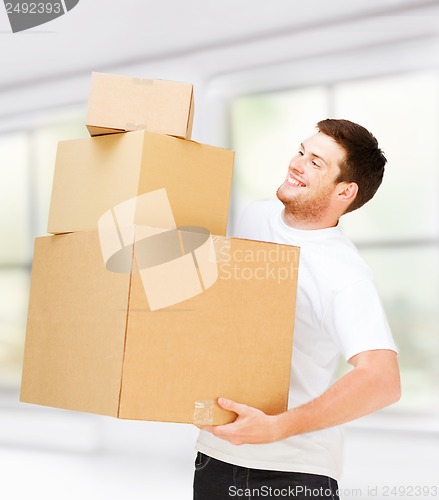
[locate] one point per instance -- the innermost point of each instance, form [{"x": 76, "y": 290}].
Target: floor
[{"x": 53, "y": 454}]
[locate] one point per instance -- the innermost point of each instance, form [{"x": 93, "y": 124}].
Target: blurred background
[{"x": 264, "y": 74}]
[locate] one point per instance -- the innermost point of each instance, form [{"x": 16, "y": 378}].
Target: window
[
  {"x": 398, "y": 231},
  {"x": 26, "y": 172},
  {"x": 266, "y": 129},
  {"x": 15, "y": 192}
]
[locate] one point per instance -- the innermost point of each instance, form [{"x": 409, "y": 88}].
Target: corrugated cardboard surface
[
  {"x": 76, "y": 327},
  {"x": 92, "y": 175},
  {"x": 232, "y": 340},
  {"x": 122, "y": 103}
]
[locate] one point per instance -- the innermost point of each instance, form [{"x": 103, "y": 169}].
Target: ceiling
[{"x": 100, "y": 34}]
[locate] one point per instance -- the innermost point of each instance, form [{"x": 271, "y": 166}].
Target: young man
[{"x": 298, "y": 453}]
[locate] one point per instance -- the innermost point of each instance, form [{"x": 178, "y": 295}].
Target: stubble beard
[{"x": 303, "y": 208}]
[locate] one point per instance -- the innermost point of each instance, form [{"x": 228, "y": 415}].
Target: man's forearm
[
  {"x": 371, "y": 385},
  {"x": 363, "y": 390}
]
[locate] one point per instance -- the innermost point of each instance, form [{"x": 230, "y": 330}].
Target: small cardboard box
[
  {"x": 95, "y": 344},
  {"x": 92, "y": 175},
  {"x": 122, "y": 104}
]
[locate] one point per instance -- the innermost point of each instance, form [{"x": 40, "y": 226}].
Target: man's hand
[
  {"x": 252, "y": 426},
  {"x": 371, "y": 385}
]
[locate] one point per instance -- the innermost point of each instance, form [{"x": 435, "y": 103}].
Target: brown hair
[{"x": 364, "y": 162}]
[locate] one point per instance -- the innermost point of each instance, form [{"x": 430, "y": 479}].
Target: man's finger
[{"x": 228, "y": 404}]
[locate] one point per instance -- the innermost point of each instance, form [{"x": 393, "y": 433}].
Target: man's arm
[{"x": 373, "y": 384}]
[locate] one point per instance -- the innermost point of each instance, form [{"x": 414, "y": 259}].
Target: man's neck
[{"x": 294, "y": 222}]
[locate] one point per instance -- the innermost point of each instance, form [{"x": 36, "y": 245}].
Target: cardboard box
[
  {"x": 92, "y": 175},
  {"x": 93, "y": 344},
  {"x": 122, "y": 103}
]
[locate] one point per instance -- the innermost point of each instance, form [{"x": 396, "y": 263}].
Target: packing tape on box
[
  {"x": 203, "y": 412},
  {"x": 174, "y": 264}
]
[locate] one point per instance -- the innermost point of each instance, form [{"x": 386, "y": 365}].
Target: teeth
[{"x": 295, "y": 182}]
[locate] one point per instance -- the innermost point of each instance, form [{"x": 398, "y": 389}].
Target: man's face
[{"x": 309, "y": 189}]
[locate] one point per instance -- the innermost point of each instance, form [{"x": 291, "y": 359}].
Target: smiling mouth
[{"x": 292, "y": 181}]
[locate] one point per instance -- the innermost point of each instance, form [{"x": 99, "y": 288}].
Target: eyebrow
[{"x": 317, "y": 156}]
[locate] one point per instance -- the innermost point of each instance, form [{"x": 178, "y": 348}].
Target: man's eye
[
  {"x": 300, "y": 153},
  {"x": 315, "y": 164}
]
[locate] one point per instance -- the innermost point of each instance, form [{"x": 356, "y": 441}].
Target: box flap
[
  {"x": 96, "y": 131},
  {"x": 190, "y": 122}
]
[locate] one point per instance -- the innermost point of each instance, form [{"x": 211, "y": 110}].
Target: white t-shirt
[{"x": 337, "y": 311}]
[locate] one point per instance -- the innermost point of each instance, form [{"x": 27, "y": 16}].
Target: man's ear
[{"x": 347, "y": 191}]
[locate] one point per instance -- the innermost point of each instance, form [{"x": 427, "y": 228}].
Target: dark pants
[{"x": 216, "y": 480}]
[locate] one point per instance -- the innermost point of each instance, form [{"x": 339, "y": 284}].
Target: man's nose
[{"x": 298, "y": 164}]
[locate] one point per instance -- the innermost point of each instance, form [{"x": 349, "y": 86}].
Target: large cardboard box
[
  {"x": 92, "y": 175},
  {"x": 122, "y": 103},
  {"x": 95, "y": 344}
]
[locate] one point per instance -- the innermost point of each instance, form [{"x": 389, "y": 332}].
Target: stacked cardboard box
[
  {"x": 140, "y": 306},
  {"x": 120, "y": 103}
]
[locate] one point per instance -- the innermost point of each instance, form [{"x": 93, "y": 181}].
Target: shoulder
[{"x": 336, "y": 261}]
